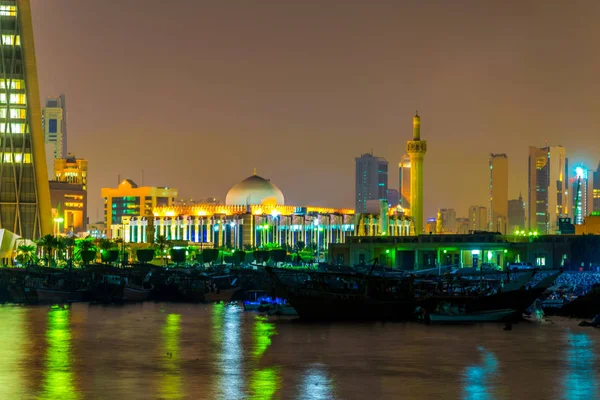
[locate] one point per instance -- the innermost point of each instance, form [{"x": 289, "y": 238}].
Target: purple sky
[{"x": 198, "y": 93}]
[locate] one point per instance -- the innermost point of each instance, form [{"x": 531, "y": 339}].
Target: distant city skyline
[{"x": 356, "y": 83}]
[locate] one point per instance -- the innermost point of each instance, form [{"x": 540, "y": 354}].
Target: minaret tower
[{"x": 416, "y": 149}]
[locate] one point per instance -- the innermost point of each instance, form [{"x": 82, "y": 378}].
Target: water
[{"x": 173, "y": 351}]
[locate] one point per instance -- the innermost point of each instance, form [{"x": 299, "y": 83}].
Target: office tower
[
  {"x": 548, "y": 189},
  {"x": 54, "y": 122},
  {"x": 478, "y": 217},
  {"x": 24, "y": 191},
  {"x": 596, "y": 191},
  {"x": 431, "y": 226},
  {"x": 129, "y": 200},
  {"x": 516, "y": 215},
  {"x": 393, "y": 197},
  {"x": 498, "y": 211},
  {"x": 582, "y": 194},
  {"x": 371, "y": 180},
  {"x": 404, "y": 180},
  {"x": 446, "y": 220},
  {"x": 68, "y": 193},
  {"x": 416, "y": 149},
  {"x": 462, "y": 226}
]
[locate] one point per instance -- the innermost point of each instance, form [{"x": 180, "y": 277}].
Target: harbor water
[{"x": 184, "y": 351}]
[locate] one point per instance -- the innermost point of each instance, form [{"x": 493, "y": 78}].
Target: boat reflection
[
  {"x": 264, "y": 382},
  {"x": 580, "y": 380},
  {"x": 316, "y": 385},
  {"x": 227, "y": 337},
  {"x": 13, "y": 351},
  {"x": 171, "y": 387},
  {"x": 58, "y": 369},
  {"x": 476, "y": 377}
]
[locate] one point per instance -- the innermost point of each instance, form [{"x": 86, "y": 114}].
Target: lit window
[
  {"x": 8, "y": 11},
  {"x": 12, "y": 84},
  {"x": 17, "y": 99},
  {"x": 17, "y": 113},
  {"x": 7, "y": 157},
  {"x": 11, "y": 40}
]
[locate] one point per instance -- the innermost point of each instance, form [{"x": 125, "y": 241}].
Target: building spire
[
  {"x": 417, "y": 127},
  {"x": 254, "y": 170}
]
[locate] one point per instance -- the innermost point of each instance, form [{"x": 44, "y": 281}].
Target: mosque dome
[{"x": 254, "y": 190}]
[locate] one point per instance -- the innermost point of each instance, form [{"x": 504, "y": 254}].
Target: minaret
[{"x": 416, "y": 149}]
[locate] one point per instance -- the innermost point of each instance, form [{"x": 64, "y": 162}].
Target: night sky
[{"x": 198, "y": 93}]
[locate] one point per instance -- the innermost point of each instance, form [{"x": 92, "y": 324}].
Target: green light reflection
[
  {"x": 265, "y": 382},
  {"x": 263, "y": 330},
  {"x": 12, "y": 352},
  {"x": 171, "y": 383},
  {"x": 58, "y": 375}
]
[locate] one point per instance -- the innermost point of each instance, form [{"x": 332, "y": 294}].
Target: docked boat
[
  {"x": 134, "y": 293},
  {"x": 46, "y": 295},
  {"x": 482, "y": 316}
]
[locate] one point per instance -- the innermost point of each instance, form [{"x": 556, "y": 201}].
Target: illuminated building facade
[
  {"x": 582, "y": 194},
  {"x": 371, "y": 180},
  {"x": 255, "y": 215},
  {"x": 596, "y": 191},
  {"x": 416, "y": 149},
  {"x": 54, "y": 122},
  {"x": 548, "y": 188},
  {"x": 446, "y": 220},
  {"x": 129, "y": 200},
  {"x": 404, "y": 180},
  {"x": 68, "y": 194},
  {"x": 498, "y": 211},
  {"x": 478, "y": 218},
  {"x": 24, "y": 191},
  {"x": 516, "y": 215}
]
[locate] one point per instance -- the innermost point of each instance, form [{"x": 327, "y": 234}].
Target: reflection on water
[
  {"x": 171, "y": 387},
  {"x": 580, "y": 378},
  {"x": 58, "y": 373},
  {"x": 315, "y": 384},
  {"x": 220, "y": 352},
  {"x": 477, "y": 377},
  {"x": 13, "y": 351},
  {"x": 264, "y": 382}
]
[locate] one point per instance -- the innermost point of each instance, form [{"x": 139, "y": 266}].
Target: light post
[
  {"x": 316, "y": 227},
  {"x": 58, "y": 220}
]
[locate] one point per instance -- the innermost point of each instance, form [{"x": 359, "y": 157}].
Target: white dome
[{"x": 254, "y": 190}]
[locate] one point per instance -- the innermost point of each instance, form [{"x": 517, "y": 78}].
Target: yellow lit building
[
  {"x": 68, "y": 194},
  {"x": 255, "y": 214},
  {"x": 129, "y": 200},
  {"x": 71, "y": 170}
]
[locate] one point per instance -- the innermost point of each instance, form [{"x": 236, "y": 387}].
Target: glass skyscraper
[{"x": 24, "y": 190}]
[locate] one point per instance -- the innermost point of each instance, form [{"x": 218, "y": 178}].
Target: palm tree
[
  {"x": 26, "y": 255},
  {"x": 83, "y": 246},
  {"x": 47, "y": 243},
  {"x": 161, "y": 244}
]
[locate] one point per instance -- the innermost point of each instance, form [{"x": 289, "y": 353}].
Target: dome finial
[{"x": 254, "y": 170}]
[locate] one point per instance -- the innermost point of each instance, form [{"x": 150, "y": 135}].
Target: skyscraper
[
  {"x": 404, "y": 187},
  {"x": 548, "y": 188},
  {"x": 582, "y": 194},
  {"x": 596, "y": 191},
  {"x": 54, "y": 122},
  {"x": 498, "y": 211},
  {"x": 371, "y": 180},
  {"x": 416, "y": 149},
  {"x": 516, "y": 215},
  {"x": 24, "y": 190},
  {"x": 393, "y": 197},
  {"x": 446, "y": 220},
  {"x": 478, "y": 216}
]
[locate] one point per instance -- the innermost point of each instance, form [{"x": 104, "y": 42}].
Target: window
[
  {"x": 16, "y": 157},
  {"x": 52, "y": 126},
  {"x": 8, "y": 11},
  {"x": 10, "y": 40}
]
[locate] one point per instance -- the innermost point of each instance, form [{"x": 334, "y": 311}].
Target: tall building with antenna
[
  {"x": 416, "y": 150},
  {"x": 24, "y": 190},
  {"x": 498, "y": 218},
  {"x": 371, "y": 180}
]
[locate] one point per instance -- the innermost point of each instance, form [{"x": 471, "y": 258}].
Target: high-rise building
[
  {"x": 516, "y": 215},
  {"x": 548, "y": 189},
  {"x": 24, "y": 191},
  {"x": 416, "y": 149},
  {"x": 393, "y": 197},
  {"x": 54, "y": 122},
  {"x": 404, "y": 180},
  {"x": 68, "y": 192},
  {"x": 129, "y": 200},
  {"x": 446, "y": 220},
  {"x": 371, "y": 180},
  {"x": 582, "y": 194},
  {"x": 431, "y": 226},
  {"x": 498, "y": 211},
  {"x": 478, "y": 217},
  {"x": 596, "y": 191},
  {"x": 462, "y": 226}
]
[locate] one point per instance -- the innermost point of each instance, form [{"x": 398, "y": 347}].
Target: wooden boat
[
  {"x": 220, "y": 294},
  {"x": 46, "y": 295},
  {"x": 133, "y": 293},
  {"x": 482, "y": 316}
]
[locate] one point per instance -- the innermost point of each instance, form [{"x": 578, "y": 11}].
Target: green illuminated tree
[
  {"x": 47, "y": 244},
  {"x": 161, "y": 245},
  {"x": 26, "y": 255}
]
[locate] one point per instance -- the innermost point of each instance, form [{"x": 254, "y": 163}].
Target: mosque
[{"x": 255, "y": 214}]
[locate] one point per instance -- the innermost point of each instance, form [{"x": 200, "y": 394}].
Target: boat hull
[
  {"x": 134, "y": 295},
  {"x": 486, "y": 316},
  {"x": 58, "y": 296},
  {"x": 220, "y": 295}
]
